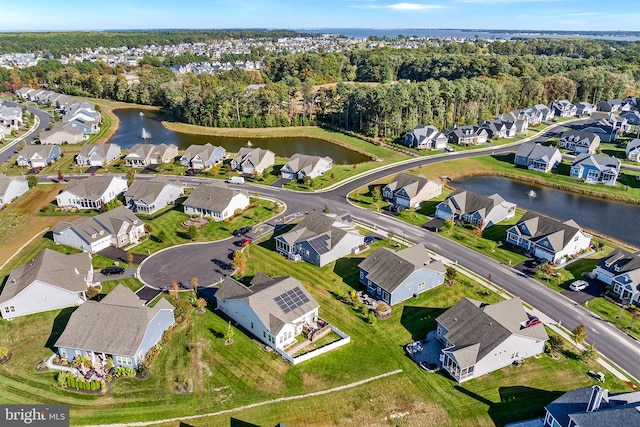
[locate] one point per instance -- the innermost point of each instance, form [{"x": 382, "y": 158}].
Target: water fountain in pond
[
  {"x": 141, "y": 113},
  {"x": 145, "y": 134},
  {"x": 249, "y": 144},
  {"x": 532, "y": 194}
]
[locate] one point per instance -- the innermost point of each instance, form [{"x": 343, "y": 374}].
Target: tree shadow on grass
[
  {"x": 516, "y": 403},
  {"x": 419, "y": 320},
  {"x": 59, "y": 323}
]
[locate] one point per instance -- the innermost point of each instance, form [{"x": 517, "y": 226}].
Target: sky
[{"x": 66, "y": 15}]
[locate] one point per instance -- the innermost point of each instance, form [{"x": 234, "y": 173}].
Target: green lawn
[
  {"x": 166, "y": 229},
  {"x": 243, "y": 373},
  {"x": 623, "y": 319}
]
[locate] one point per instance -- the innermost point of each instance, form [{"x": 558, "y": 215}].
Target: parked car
[
  {"x": 578, "y": 285},
  {"x": 112, "y": 269},
  {"x": 532, "y": 321},
  {"x": 236, "y": 180},
  {"x": 246, "y": 241},
  {"x": 191, "y": 172},
  {"x": 241, "y": 231},
  {"x": 368, "y": 240}
]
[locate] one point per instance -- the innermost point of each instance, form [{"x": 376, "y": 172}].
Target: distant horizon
[{"x": 510, "y": 15}]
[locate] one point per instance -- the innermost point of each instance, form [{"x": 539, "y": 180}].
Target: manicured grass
[
  {"x": 491, "y": 243},
  {"x": 243, "y": 373},
  {"x": 621, "y": 318},
  {"x": 166, "y": 229}
]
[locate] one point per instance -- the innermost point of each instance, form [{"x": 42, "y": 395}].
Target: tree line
[{"x": 379, "y": 93}]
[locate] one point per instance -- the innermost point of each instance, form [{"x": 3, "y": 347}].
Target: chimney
[{"x": 595, "y": 399}]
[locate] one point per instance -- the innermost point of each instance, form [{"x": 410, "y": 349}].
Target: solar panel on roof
[
  {"x": 319, "y": 244},
  {"x": 291, "y": 299}
]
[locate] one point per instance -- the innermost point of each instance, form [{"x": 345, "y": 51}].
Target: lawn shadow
[
  {"x": 234, "y": 422},
  {"x": 516, "y": 403},
  {"x": 418, "y": 321},
  {"x": 59, "y": 323},
  {"x": 347, "y": 269},
  {"x": 507, "y": 158}
]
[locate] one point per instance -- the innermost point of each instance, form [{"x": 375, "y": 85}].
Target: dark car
[
  {"x": 112, "y": 269},
  {"x": 241, "y": 231},
  {"x": 368, "y": 240},
  {"x": 191, "y": 172}
]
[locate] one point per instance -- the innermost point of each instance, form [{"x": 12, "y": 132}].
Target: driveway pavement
[
  {"x": 595, "y": 289},
  {"x": 128, "y": 272}
]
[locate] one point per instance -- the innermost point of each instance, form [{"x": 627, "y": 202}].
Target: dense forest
[{"x": 379, "y": 92}]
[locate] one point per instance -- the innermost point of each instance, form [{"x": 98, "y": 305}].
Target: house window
[
  {"x": 63, "y": 353},
  {"x": 264, "y": 334},
  {"x": 121, "y": 360},
  {"x": 361, "y": 274},
  {"x": 251, "y": 325},
  {"x": 78, "y": 353}
]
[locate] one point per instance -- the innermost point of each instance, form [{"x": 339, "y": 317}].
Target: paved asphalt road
[{"x": 45, "y": 119}]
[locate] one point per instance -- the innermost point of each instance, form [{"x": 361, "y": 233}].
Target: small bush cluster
[
  {"x": 68, "y": 380},
  {"x": 123, "y": 371}
]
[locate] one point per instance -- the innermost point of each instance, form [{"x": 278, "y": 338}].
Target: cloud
[{"x": 402, "y": 7}]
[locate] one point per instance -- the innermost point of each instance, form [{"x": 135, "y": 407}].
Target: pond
[
  {"x": 137, "y": 126},
  {"x": 602, "y": 216}
]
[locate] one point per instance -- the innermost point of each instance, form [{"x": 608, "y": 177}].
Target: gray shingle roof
[
  {"x": 5, "y": 181},
  {"x": 203, "y": 151},
  {"x": 535, "y": 151},
  {"x": 149, "y": 190},
  {"x": 116, "y": 325},
  {"x": 91, "y": 187},
  {"x": 315, "y": 225},
  {"x": 43, "y": 151},
  {"x": 601, "y": 162},
  {"x": 389, "y": 269},
  {"x": 113, "y": 222},
  {"x": 620, "y": 261},
  {"x": 254, "y": 156},
  {"x": 211, "y": 197},
  {"x": 262, "y": 296},
  {"x": 100, "y": 149},
  {"x": 412, "y": 184},
  {"x": 536, "y": 227},
  {"x": 471, "y": 323},
  {"x": 305, "y": 162},
  {"x": 63, "y": 271},
  {"x": 466, "y": 202},
  {"x": 620, "y": 409}
]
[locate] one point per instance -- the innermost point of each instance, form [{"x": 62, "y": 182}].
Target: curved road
[
  {"x": 609, "y": 340},
  {"x": 45, "y": 118}
]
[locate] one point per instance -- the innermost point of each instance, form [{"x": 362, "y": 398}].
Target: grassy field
[
  {"x": 243, "y": 373},
  {"x": 166, "y": 229}
]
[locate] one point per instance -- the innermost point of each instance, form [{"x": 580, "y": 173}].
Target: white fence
[{"x": 344, "y": 339}]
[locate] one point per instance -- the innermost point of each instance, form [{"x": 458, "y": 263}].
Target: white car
[{"x": 578, "y": 285}]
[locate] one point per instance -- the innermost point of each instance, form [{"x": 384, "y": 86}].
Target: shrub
[
  {"x": 182, "y": 308},
  {"x": 4, "y": 352},
  {"x": 92, "y": 291}
]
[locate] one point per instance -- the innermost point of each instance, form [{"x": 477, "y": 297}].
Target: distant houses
[
  {"x": 92, "y": 192},
  {"x": 585, "y": 108},
  {"x": 118, "y": 227},
  {"x": 537, "y": 157},
  {"x": 580, "y": 141},
  {"x": 407, "y": 190},
  {"x": 60, "y": 134},
  {"x": 11, "y": 187},
  {"x": 215, "y": 201},
  {"x": 38, "y": 156},
  {"x": 301, "y": 166},
  {"x": 393, "y": 277},
  {"x": 564, "y": 108},
  {"x": 426, "y": 138},
  {"x": 320, "y": 239},
  {"x": 475, "y": 209},
  {"x": 10, "y": 117},
  {"x": 119, "y": 327},
  {"x": 98, "y": 154},
  {"x": 633, "y": 150},
  {"x": 479, "y": 338},
  {"x": 595, "y": 169},
  {"x": 253, "y": 160},
  {"x": 149, "y": 196},
  {"x": 143, "y": 155},
  {"x": 547, "y": 238},
  {"x": 50, "y": 281},
  {"x": 202, "y": 157},
  {"x": 468, "y": 135}
]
